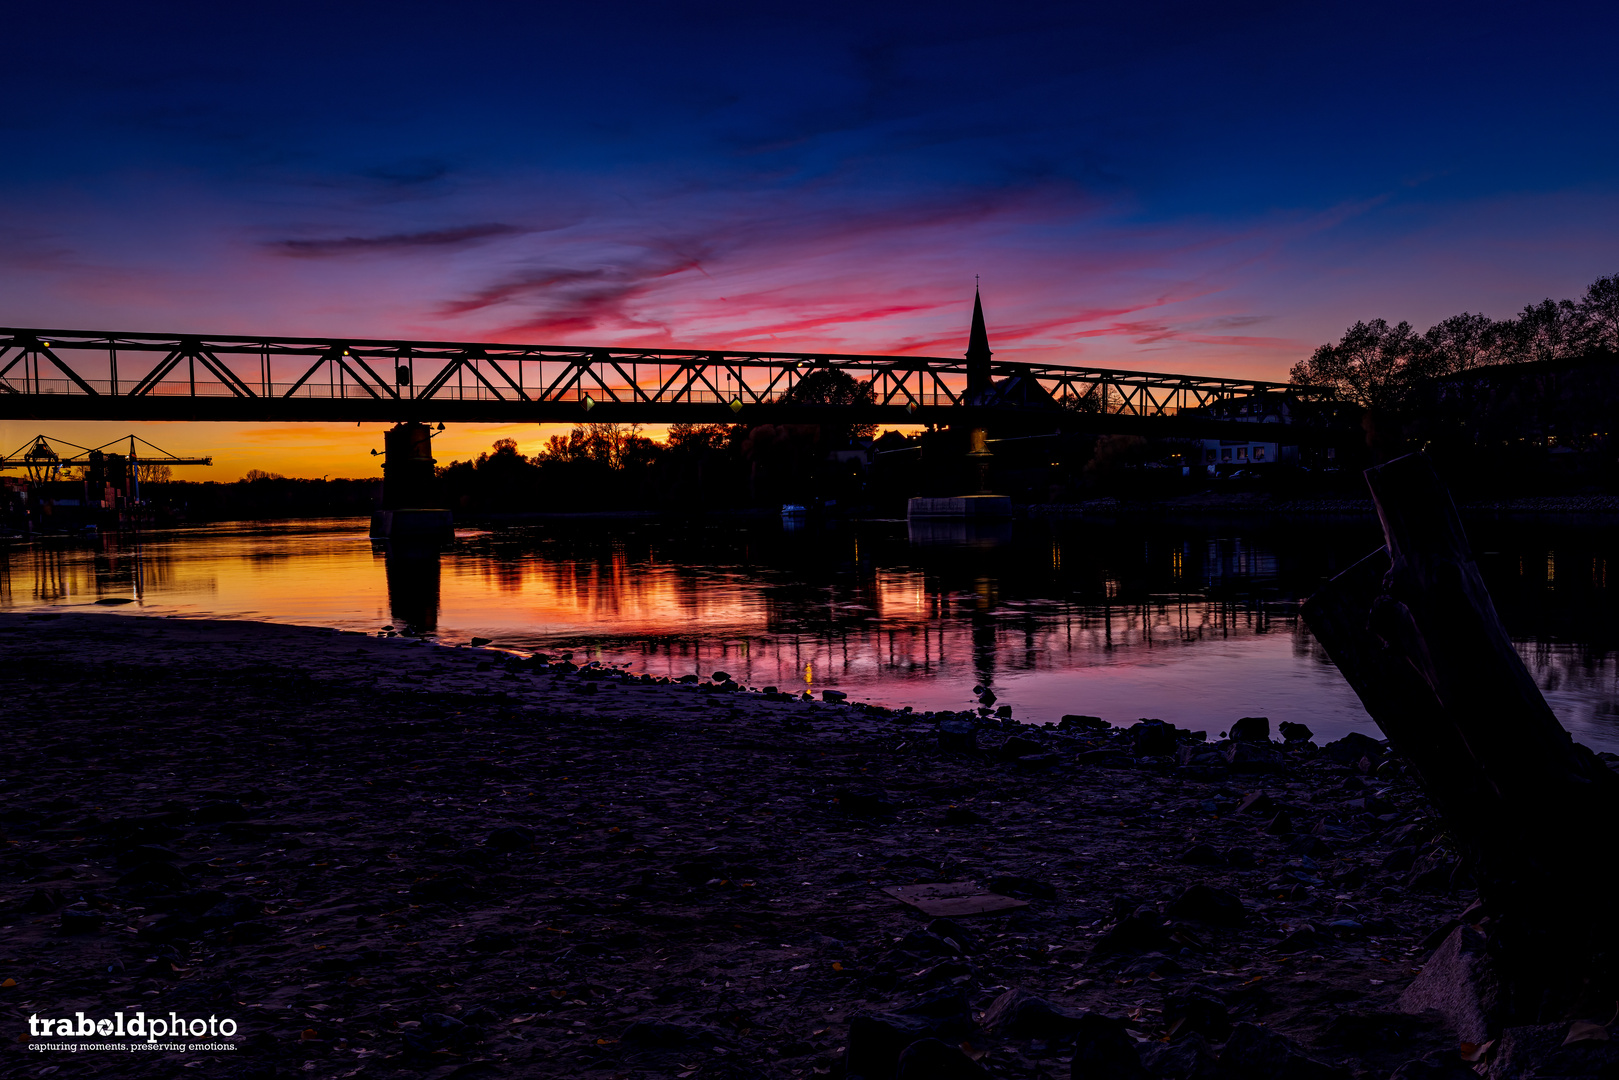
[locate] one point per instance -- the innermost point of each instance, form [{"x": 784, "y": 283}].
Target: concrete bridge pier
[
  {"x": 978, "y": 457},
  {"x": 411, "y": 509}
]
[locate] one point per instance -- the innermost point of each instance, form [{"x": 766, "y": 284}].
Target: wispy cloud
[
  {"x": 564, "y": 300},
  {"x": 461, "y": 236}
]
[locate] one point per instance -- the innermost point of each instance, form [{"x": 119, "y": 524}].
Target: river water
[{"x": 1193, "y": 622}]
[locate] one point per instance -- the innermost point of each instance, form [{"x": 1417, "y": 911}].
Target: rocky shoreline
[{"x": 383, "y": 857}]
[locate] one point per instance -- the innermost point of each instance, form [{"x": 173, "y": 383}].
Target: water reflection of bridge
[{"x": 1057, "y": 621}]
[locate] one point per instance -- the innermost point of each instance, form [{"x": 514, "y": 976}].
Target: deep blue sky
[{"x": 1167, "y": 186}]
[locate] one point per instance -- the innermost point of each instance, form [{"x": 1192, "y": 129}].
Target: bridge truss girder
[{"x": 68, "y": 374}]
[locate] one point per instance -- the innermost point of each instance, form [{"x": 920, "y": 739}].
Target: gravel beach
[{"x": 381, "y": 857}]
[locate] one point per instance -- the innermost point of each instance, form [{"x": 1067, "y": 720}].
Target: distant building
[{"x": 1228, "y": 455}]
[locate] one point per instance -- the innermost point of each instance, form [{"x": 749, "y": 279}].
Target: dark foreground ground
[{"x": 380, "y": 860}]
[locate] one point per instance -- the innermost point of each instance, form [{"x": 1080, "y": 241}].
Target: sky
[{"x": 1214, "y": 189}]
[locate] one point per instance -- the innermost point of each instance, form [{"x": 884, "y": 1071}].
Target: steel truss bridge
[{"x": 95, "y": 375}]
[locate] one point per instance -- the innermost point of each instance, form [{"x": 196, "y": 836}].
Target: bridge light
[
  {"x": 736, "y": 404},
  {"x": 910, "y": 407},
  {"x": 589, "y": 403}
]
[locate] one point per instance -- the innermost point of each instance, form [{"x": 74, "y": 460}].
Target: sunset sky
[{"x": 1183, "y": 187}]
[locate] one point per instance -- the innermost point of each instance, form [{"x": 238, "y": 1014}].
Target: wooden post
[{"x": 1414, "y": 632}]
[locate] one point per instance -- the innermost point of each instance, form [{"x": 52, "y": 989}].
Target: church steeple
[{"x": 978, "y": 353}]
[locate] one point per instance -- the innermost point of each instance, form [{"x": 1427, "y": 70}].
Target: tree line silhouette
[{"x": 1380, "y": 367}]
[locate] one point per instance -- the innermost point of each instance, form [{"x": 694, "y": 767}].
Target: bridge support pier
[
  {"x": 410, "y": 489},
  {"x": 978, "y": 457}
]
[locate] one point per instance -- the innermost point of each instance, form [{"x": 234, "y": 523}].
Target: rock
[
  {"x": 44, "y": 901},
  {"x": 951, "y": 930},
  {"x": 160, "y": 874},
  {"x": 1447, "y": 1067},
  {"x": 1197, "y": 1009},
  {"x": 1018, "y": 1014},
  {"x": 1399, "y": 860},
  {"x": 948, "y": 1003},
  {"x": 1251, "y": 729},
  {"x": 930, "y": 1059},
  {"x": 834, "y": 695},
  {"x": 1102, "y": 1051},
  {"x": 1310, "y": 846},
  {"x": 1280, "y": 825},
  {"x": 1017, "y": 746},
  {"x": 1257, "y": 1053},
  {"x": 511, "y": 838},
  {"x": 655, "y": 1035},
  {"x": 233, "y": 909},
  {"x": 1254, "y": 757},
  {"x": 1304, "y": 939},
  {"x": 1294, "y": 733},
  {"x": 1372, "y": 1032},
  {"x": 1519, "y": 1051},
  {"x": 1153, "y": 738},
  {"x": 923, "y": 943},
  {"x": 251, "y": 931},
  {"x": 447, "y": 888},
  {"x": 145, "y": 853},
  {"x": 721, "y": 676},
  {"x": 1016, "y": 885},
  {"x": 1544, "y": 1051},
  {"x": 1141, "y": 930},
  {"x": 1372, "y": 805},
  {"x": 1460, "y": 982},
  {"x": 868, "y": 802},
  {"x": 1200, "y": 755},
  {"x": 1188, "y": 1058},
  {"x": 958, "y": 736},
  {"x": 1241, "y": 858},
  {"x": 1208, "y": 905},
  {"x": 1153, "y": 963},
  {"x": 215, "y": 812},
  {"x": 1352, "y": 747},
  {"x": 491, "y": 941},
  {"x": 1256, "y": 803},
  {"x": 1431, "y": 872},
  {"x": 438, "y": 1031},
  {"x": 1202, "y": 855},
  {"x": 876, "y": 1040},
  {"x": 1083, "y": 723},
  {"x": 482, "y": 1015},
  {"x": 79, "y": 920},
  {"x": 958, "y": 815}
]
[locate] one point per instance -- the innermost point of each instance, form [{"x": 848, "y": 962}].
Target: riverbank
[
  {"x": 1216, "y": 503},
  {"x": 388, "y": 858}
]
